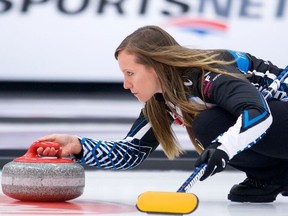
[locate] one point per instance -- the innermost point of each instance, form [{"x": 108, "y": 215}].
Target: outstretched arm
[{"x": 123, "y": 154}]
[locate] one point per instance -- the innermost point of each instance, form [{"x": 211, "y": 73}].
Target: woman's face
[{"x": 140, "y": 79}]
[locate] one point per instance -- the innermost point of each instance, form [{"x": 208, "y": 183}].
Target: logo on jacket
[{"x": 188, "y": 82}]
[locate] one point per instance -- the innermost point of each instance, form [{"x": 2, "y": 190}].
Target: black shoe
[{"x": 256, "y": 191}]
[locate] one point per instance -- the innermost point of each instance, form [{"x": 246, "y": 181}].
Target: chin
[{"x": 143, "y": 100}]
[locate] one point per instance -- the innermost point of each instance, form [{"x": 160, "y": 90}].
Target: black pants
[{"x": 267, "y": 159}]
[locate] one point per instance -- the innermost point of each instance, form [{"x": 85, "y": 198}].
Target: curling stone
[{"x": 42, "y": 179}]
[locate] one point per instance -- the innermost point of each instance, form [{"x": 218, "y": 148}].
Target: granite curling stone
[{"x": 42, "y": 179}]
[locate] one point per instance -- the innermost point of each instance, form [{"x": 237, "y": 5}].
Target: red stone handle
[{"x": 31, "y": 156}]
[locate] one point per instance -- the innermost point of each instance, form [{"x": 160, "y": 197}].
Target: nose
[{"x": 126, "y": 84}]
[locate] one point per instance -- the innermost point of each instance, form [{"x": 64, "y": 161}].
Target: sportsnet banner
[{"x": 74, "y": 40}]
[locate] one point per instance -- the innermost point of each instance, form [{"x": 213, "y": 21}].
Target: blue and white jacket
[{"x": 240, "y": 97}]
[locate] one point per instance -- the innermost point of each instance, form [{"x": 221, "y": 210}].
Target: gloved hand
[{"x": 216, "y": 160}]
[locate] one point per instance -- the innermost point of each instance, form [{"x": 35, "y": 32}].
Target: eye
[{"x": 129, "y": 73}]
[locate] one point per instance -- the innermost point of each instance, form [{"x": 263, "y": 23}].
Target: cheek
[
  {"x": 156, "y": 83},
  {"x": 145, "y": 90}
]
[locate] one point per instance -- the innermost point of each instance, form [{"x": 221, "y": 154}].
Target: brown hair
[{"x": 156, "y": 48}]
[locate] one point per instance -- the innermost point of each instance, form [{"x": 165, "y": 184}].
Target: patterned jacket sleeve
[
  {"x": 261, "y": 73},
  {"x": 123, "y": 154},
  {"x": 241, "y": 99}
]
